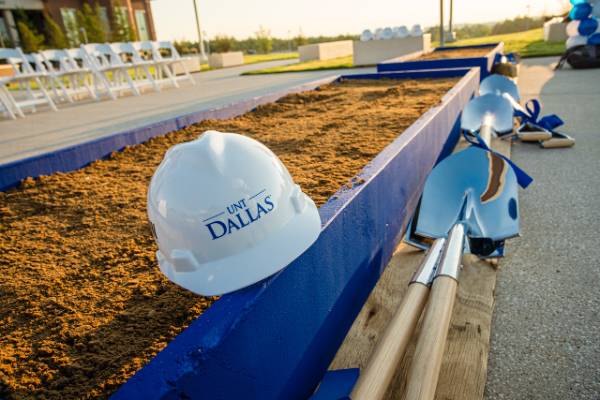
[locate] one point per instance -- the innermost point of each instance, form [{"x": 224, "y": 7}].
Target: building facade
[{"x": 136, "y": 14}]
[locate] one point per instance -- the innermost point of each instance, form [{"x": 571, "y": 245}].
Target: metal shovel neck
[{"x": 451, "y": 259}]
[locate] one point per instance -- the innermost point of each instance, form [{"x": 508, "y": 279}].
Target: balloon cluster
[
  {"x": 398, "y": 32},
  {"x": 584, "y": 27}
]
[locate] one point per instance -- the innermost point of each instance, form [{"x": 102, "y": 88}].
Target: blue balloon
[
  {"x": 581, "y": 11},
  {"x": 588, "y": 26},
  {"x": 594, "y": 40}
]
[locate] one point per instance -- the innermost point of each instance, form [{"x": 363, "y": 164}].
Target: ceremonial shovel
[
  {"x": 542, "y": 131},
  {"x": 469, "y": 204}
]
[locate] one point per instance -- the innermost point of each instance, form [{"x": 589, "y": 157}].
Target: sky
[{"x": 174, "y": 19}]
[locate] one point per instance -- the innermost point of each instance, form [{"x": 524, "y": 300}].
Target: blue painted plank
[
  {"x": 483, "y": 63},
  {"x": 337, "y": 385},
  {"x": 472, "y": 46},
  {"x": 417, "y": 74},
  {"x": 275, "y": 339},
  {"x": 78, "y": 156}
]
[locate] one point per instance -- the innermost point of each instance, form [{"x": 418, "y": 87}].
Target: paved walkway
[
  {"x": 45, "y": 130},
  {"x": 546, "y": 328}
]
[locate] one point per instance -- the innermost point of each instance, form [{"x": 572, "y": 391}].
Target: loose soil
[
  {"x": 464, "y": 53},
  {"x": 82, "y": 302}
]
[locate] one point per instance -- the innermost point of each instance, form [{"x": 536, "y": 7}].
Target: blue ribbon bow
[
  {"x": 523, "y": 178},
  {"x": 533, "y": 107},
  {"x": 510, "y": 57}
]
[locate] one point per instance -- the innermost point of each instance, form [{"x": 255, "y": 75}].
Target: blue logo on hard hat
[{"x": 240, "y": 215}]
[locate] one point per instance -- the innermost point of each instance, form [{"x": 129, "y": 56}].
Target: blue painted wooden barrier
[
  {"x": 406, "y": 63},
  {"x": 275, "y": 339},
  {"x": 419, "y": 74}
]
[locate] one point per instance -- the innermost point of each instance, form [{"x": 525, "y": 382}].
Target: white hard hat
[
  {"x": 401, "y": 32},
  {"x": 387, "y": 33},
  {"x": 366, "y": 35},
  {"x": 226, "y": 213},
  {"x": 416, "y": 30}
]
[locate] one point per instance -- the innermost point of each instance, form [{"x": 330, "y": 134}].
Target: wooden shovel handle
[
  {"x": 425, "y": 368},
  {"x": 558, "y": 142},
  {"x": 376, "y": 377}
]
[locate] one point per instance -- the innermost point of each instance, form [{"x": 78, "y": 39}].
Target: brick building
[{"x": 135, "y": 13}]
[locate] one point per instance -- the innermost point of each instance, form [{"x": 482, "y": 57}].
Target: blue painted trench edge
[
  {"x": 276, "y": 339},
  {"x": 408, "y": 63}
]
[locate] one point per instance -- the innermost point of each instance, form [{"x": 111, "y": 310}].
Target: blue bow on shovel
[
  {"x": 510, "y": 57},
  {"x": 533, "y": 109},
  {"x": 474, "y": 139}
]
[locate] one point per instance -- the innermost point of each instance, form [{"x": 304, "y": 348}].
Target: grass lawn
[
  {"x": 528, "y": 44},
  {"x": 335, "y": 63},
  {"x": 256, "y": 58}
]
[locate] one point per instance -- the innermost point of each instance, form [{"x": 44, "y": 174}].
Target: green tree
[
  {"x": 89, "y": 19},
  {"x": 300, "y": 40},
  {"x": 264, "y": 41},
  {"x": 55, "y": 37},
  {"x": 81, "y": 27},
  {"x": 222, "y": 44},
  {"x": 72, "y": 31},
  {"x": 31, "y": 41},
  {"x": 517, "y": 24},
  {"x": 186, "y": 47},
  {"x": 121, "y": 30}
]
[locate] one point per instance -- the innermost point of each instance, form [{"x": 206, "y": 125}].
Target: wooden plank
[{"x": 464, "y": 366}]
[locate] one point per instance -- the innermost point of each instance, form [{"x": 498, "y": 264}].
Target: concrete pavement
[
  {"x": 46, "y": 131},
  {"x": 546, "y": 327}
]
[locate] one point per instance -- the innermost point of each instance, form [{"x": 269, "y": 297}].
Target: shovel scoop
[
  {"x": 531, "y": 129},
  {"x": 486, "y": 114},
  {"x": 502, "y": 86},
  {"x": 474, "y": 187},
  {"x": 477, "y": 189}
]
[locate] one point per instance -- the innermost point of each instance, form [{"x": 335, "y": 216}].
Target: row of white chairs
[{"x": 92, "y": 70}]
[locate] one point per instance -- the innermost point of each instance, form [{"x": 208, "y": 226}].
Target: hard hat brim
[{"x": 253, "y": 265}]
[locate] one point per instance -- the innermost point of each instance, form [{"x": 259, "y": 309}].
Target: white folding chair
[
  {"x": 79, "y": 60},
  {"x": 6, "y": 103},
  {"x": 65, "y": 74},
  {"x": 30, "y": 81},
  {"x": 145, "y": 51},
  {"x": 165, "y": 52},
  {"x": 110, "y": 69},
  {"x": 141, "y": 68}
]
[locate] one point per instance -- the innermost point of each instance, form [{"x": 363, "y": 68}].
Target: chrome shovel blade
[
  {"x": 488, "y": 109},
  {"x": 475, "y": 187},
  {"x": 499, "y": 84},
  {"x": 502, "y": 86}
]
